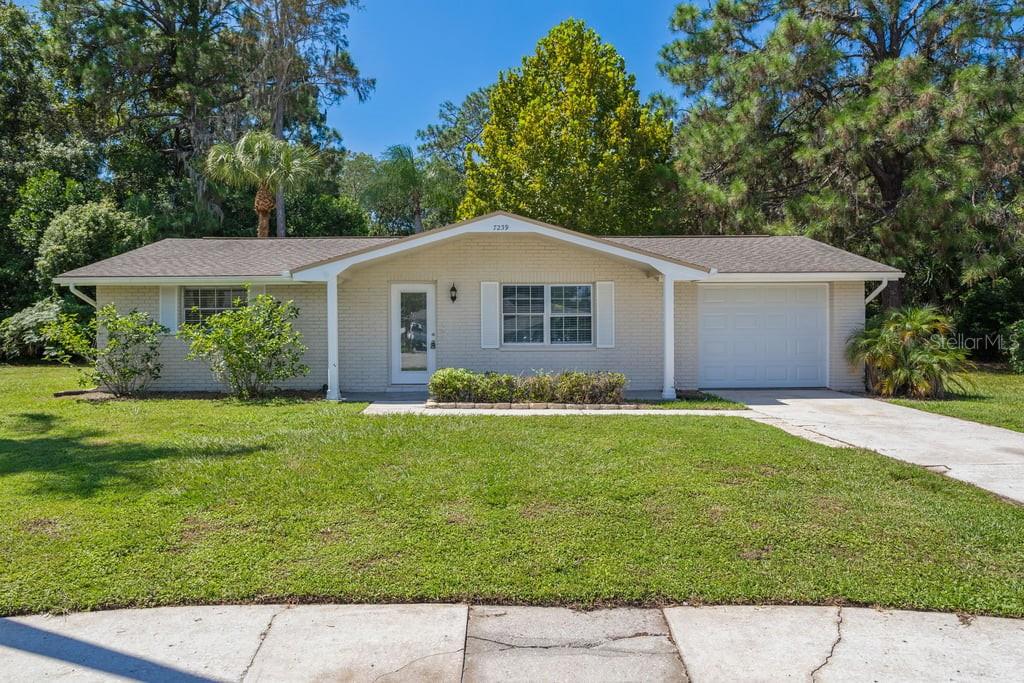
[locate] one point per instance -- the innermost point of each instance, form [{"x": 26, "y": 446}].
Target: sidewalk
[{"x": 490, "y": 643}]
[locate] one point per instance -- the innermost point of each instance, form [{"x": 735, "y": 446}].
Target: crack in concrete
[
  {"x": 418, "y": 659},
  {"x": 804, "y": 431},
  {"x": 259, "y": 646},
  {"x": 574, "y": 646},
  {"x": 835, "y": 643}
]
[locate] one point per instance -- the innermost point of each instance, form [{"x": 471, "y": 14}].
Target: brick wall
[{"x": 364, "y": 299}]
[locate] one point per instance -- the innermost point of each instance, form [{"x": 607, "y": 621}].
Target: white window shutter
[
  {"x": 169, "y": 308},
  {"x": 490, "y": 307},
  {"x": 605, "y": 310}
]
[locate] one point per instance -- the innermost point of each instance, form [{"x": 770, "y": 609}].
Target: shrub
[
  {"x": 125, "y": 363},
  {"x": 537, "y": 388},
  {"x": 21, "y": 335},
  {"x": 590, "y": 387},
  {"x": 456, "y": 384},
  {"x": 1015, "y": 346},
  {"x": 250, "y": 346},
  {"x": 495, "y": 387},
  {"x": 907, "y": 352},
  {"x": 85, "y": 233}
]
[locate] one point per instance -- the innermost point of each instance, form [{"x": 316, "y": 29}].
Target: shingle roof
[
  {"x": 223, "y": 257},
  {"x": 757, "y": 254},
  {"x": 250, "y": 257}
]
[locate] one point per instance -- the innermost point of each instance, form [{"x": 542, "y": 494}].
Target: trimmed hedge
[{"x": 459, "y": 385}]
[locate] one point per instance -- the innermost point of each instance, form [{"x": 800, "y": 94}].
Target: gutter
[
  {"x": 82, "y": 295},
  {"x": 878, "y": 290}
]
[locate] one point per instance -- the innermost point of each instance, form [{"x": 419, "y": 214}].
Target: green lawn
[
  {"x": 996, "y": 397},
  {"x": 170, "y": 501},
  {"x": 702, "y": 402}
]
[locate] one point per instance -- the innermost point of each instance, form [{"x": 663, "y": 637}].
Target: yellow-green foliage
[{"x": 568, "y": 140}]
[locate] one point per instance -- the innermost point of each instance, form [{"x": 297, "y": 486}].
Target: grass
[
  {"x": 995, "y": 397},
  {"x": 155, "y": 502},
  {"x": 700, "y": 401}
]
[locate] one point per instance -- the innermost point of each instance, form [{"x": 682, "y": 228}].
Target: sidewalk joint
[
  {"x": 675, "y": 644},
  {"x": 465, "y": 644}
]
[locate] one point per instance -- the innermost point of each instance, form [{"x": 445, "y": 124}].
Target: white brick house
[{"x": 505, "y": 293}]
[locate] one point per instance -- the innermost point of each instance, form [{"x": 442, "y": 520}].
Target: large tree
[
  {"x": 889, "y": 128},
  {"x": 28, "y": 119},
  {"x": 169, "y": 73},
  {"x": 301, "y": 64},
  {"x": 568, "y": 140}
]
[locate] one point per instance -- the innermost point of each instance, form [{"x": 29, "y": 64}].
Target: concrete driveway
[{"x": 989, "y": 457}]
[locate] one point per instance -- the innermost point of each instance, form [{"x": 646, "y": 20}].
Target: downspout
[
  {"x": 82, "y": 295},
  {"x": 878, "y": 290}
]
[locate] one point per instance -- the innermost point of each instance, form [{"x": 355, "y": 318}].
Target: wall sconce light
[{"x": 453, "y": 293}]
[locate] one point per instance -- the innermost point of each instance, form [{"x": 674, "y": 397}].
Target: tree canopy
[
  {"x": 568, "y": 141},
  {"x": 892, "y": 129}
]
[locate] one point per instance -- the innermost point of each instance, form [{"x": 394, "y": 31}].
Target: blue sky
[{"x": 423, "y": 52}]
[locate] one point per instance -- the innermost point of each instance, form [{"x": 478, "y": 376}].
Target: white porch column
[
  {"x": 333, "y": 390},
  {"x": 668, "y": 319}
]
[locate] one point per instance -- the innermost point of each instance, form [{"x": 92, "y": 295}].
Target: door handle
[{"x": 433, "y": 344}]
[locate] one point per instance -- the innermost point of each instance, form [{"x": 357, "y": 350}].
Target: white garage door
[{"x": 763, "y": 335}]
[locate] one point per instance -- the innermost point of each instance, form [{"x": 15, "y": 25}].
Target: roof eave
[
  {"x": 155, "y": 280},
  {"x": 825, "y": 276}
]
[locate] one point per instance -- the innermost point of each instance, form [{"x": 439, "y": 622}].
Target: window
[
  {"x": 199, "y": 303},
  {"x": 570, "y": 315},
  {"x": 522, "y": 308},
  {"x": 551, "y": 314}
]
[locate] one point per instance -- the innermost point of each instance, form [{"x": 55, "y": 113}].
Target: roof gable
[{"x": 501, "y": 222}]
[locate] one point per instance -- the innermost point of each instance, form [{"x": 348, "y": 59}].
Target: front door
[{"x": 412, "y": 333}]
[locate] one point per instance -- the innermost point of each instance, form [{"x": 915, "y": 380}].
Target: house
[{"x": 505, "y": 293}]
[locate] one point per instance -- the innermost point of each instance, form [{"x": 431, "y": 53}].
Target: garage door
[{"x": 763, "y": 336}]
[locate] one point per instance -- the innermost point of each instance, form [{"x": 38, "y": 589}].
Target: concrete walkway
[
  {"x": 988, "y": 457},
  {"x": 481, "y": 643},
  {"x": 414, "y": 407}
]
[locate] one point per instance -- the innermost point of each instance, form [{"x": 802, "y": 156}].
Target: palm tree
[
  {"x": 409, "y": 191},
  {"x": 908, "y": 352},
  {"x": 259, "y": 160}
]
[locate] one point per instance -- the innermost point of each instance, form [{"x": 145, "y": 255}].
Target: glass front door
[{"x": 412, "y": 333}]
